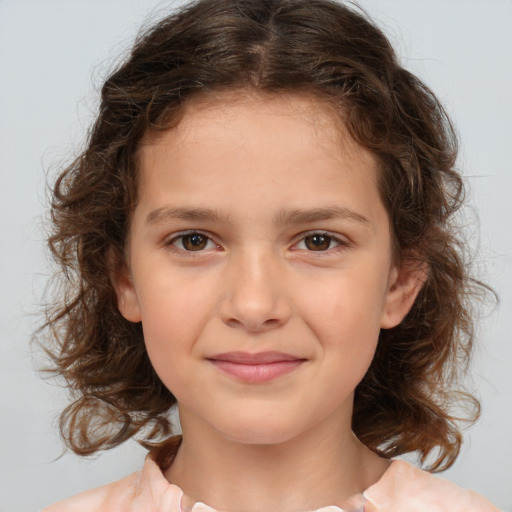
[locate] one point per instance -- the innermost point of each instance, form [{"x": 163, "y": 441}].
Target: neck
[{"x": 322, "y": 467}]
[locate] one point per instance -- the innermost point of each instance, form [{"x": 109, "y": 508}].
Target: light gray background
[{"x": 49, "y": 50}]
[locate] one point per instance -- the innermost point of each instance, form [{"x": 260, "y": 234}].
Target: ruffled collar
[
  {"x": 354, "y": 504},
  {"x": 201, "y": 507}
]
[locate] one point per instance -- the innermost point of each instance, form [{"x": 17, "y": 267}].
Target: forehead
[
  {"x": 248, "y": 122},
  {"x": 257, "y": 154}
]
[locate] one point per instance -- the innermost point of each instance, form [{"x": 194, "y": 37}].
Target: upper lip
[{"x": 254, "y": 358}]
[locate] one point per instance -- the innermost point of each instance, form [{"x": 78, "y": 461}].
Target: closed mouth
[
  {"x": 256, "y": 367},
  {"x": 254, "y": 358}
]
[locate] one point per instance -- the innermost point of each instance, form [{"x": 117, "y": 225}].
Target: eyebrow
[
  {"x": 165, "y": 214},
  {"x": 294, "y": 216},
  {"x": 297, "y": 216}
]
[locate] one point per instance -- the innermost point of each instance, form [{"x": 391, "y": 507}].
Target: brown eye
[
  {"x": 194, "y": 242},
  {"x": 318, "y": 242}
]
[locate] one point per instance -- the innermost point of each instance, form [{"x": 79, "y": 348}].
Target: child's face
[{"x": 259, "y": 237}]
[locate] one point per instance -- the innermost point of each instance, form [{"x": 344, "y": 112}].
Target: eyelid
[
  {"x": 342, "y": 241},
  {"x": 170, "y": 240}
]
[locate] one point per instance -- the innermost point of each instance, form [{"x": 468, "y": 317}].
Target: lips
[{"x": 258, "y": 367}]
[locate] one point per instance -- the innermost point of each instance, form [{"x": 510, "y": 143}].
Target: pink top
[{"x": 402, "y": 488}]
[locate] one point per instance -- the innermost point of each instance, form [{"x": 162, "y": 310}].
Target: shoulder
[
  {"x": 146, "y": 489},
  {"x": 114, "y": 497},
  {"x": 405, "y": 488}
]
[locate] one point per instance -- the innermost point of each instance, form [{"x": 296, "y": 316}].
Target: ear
[
  {"x": 404, "y": 285},
  {"x": 120, "y": 275}
]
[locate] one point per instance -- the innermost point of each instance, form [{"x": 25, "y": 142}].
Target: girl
[{"x": 260, "y": 232}]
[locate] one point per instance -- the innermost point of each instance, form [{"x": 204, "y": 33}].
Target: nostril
[
  {"x": 233, "y": 322},
  {"x": 253, "y": 325}
]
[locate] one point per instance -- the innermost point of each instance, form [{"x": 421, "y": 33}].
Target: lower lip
[{"x": 256, "y": 373}]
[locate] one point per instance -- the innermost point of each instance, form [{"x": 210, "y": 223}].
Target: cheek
[
  {"x": 344, "y": 312},
  {"x": 174, "y": 315},
  {"x": 344, "y": 301},
  {"x": 172, "y": 301}
]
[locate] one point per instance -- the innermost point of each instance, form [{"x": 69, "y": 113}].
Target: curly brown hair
[{"x": 314, "y": 47}]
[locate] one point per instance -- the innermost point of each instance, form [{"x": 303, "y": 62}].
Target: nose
[{"x": 254, "y": 297}]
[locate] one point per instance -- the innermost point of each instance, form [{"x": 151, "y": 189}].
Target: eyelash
[
  {"x": 172, "y": 242},
  {"x": 341, "y": 244}
]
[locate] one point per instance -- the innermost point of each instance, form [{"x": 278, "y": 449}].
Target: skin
[{"x": 253, "y": 180}]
